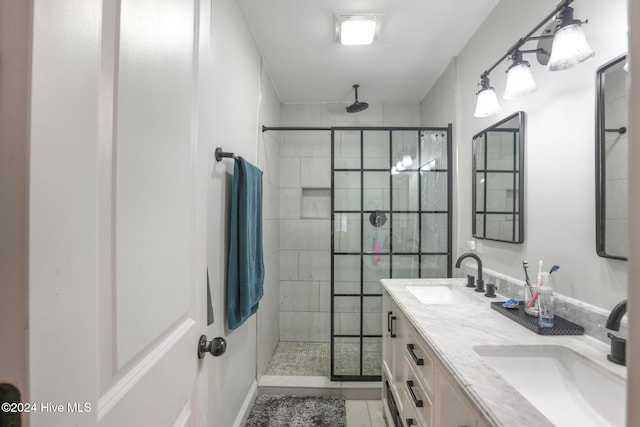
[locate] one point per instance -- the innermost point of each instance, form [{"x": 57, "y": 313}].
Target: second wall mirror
[
  {"x": 612, "y": 153},
  {"x": 498, "y": 181}
]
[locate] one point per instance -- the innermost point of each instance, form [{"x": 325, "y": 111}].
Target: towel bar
[{"x": 220, "y": 154}]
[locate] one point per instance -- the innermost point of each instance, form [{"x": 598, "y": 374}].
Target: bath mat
[{"x": 297, "y": 411}]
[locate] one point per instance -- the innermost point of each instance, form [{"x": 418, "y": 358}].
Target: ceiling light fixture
[
  {"x": 568, "y": 49},
  {"x": 359, "y": 29}
]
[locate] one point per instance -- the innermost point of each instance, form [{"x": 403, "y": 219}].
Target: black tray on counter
[{"x": 561, "y": 326}]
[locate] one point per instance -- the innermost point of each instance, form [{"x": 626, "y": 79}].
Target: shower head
[{"x": 357, "y": 106}]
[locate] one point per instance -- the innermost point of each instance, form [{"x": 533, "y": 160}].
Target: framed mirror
[
  {"x": 612, "y": 148},
  {"x": 498, "y": 181}
]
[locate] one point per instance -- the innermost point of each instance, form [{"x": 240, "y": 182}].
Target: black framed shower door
[{"x": 391, "y": 217}]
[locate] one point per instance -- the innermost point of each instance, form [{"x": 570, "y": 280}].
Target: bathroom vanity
[{"x": 450, "y": 360}]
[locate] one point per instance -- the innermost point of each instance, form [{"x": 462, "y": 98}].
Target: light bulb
[
  {"x": 407, "y": 161},
  {"x": 570, "y": 48},
  {"x": 487, "y": 103},
  {"x": 519, "y": 81}
]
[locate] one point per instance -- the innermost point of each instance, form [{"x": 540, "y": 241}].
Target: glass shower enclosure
[{"x": 391, "y": 217}]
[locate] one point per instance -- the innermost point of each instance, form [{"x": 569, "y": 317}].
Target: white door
[{"x": 117, "y": 232}]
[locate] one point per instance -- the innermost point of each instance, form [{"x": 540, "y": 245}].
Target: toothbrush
[
  {"x": 525, "y": 266},
  {"x": 535, "y": 295},
  {"x": 539, "y": 269},
  {"x": 554, "y": 268}
]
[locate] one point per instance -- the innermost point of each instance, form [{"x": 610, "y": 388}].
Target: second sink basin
[
  {"x": 567, "y": 388},
  {"x": 437, "y": 294}
]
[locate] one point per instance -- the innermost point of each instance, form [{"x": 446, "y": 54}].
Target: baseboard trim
[{"x": 241, "y": 419}]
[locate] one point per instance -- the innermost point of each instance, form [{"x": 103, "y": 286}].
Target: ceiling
[{"x": 417, "y": 40}]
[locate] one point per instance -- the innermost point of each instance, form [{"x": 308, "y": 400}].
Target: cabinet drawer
[
  {"x": 409, "y": 417},
  {"x": 420, "y": 359},
  {"x": 416, "y": 398}
]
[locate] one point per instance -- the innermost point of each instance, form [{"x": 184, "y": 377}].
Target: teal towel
[{"x": 246, "y": 266}]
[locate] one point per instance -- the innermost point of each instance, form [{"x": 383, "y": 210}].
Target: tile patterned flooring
[
  {"x": 300, "y": 359},
  {"x": 313, "y": 359},
  {"x": 364, "y": 413}
]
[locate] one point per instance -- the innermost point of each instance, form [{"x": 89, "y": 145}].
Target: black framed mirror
[
  {"x": 498, "y": 181},
  {"x": 612, "y": 152}
]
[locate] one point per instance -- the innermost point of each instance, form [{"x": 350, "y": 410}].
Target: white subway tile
[
  {"x": 288, "y": 265},
  {"x": 304, "y": 326},
  {"x": 290, "y": 173},
  {"x": 299, "y": 296},
  {"x": 315, "y": 265},
  {"x": 325, "y": 297},
  {"x": 290, "y": 203},
  {"x": 306, "y": 144},
  {"x": 316, "y": 172}
]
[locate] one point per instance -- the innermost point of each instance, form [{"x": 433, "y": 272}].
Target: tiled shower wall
[{"x": 305, "y": 208}]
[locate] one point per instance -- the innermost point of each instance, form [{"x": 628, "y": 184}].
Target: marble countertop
[{"x": 453, "y": 330}]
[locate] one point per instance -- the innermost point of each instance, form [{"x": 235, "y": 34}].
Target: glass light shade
[
  {"x": 487, "y": 103},
  {"x": 394, "y": 170},
  {"x": 407, "y": 160},
  {"x": 570, "y": 48},
  {"x": 399, "y": 166},
  {"x": 519, "y": 81},
  {"x": 357, "y": 32}
]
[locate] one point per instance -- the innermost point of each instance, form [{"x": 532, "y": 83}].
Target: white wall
[
  {"x": 241, "y": 96},
  {"x": 559, "y": 148},
  {"x": 15, "y": 24}
]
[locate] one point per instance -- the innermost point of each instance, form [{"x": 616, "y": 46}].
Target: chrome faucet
[
  {"x": 618, "y": 344},
  {"x": 479, "y": 282}
]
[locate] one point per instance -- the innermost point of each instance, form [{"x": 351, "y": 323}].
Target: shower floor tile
[
  {"x": 313, "y": 359},
  {"x": 300, "y": 359},
  {"x": 347, "y": 359}
]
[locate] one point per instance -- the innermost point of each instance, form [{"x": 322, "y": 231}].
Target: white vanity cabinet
[
  {"x": 424, "y": 392},
  {"x": 392, "y": 356}
]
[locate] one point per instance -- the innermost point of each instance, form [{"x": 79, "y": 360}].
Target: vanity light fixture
[
  {"x": 361, "y": 29},
  {"x": 487, "y": 104},
  {"x": 568, "y": 49}
]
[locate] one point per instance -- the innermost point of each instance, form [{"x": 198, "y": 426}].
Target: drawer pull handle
[
  {"x": 389, "y": 321},
  {"x": 418, "y": 361},
  {"x": 393, "y": 333},
  {"x": 416, "y": 401},
  {"x": 410, "y": 422}
]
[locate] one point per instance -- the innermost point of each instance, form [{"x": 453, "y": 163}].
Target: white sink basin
[
  {"x": 437, "y": 294},
  {"x": 567, "y": 388}
]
